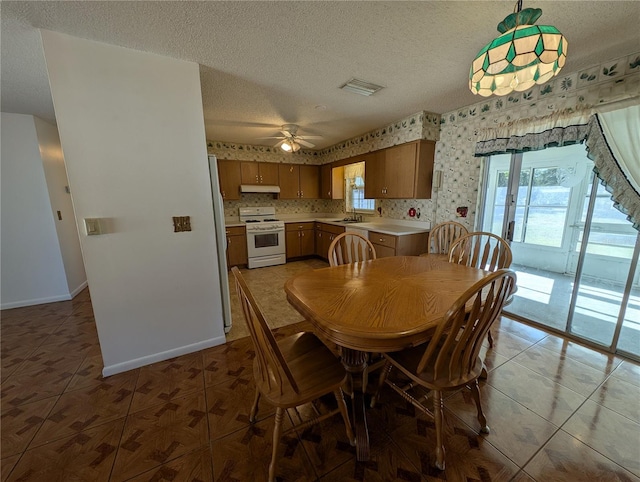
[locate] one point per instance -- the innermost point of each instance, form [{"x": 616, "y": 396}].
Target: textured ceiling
[{"x": 264, "y": 64}]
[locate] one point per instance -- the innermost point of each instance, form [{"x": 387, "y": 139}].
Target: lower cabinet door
[{"x": 307, "y": 242}]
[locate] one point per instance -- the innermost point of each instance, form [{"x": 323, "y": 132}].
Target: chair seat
[
  {"x": 314, "y": 367},
  {"x": 407, "y": 362}
]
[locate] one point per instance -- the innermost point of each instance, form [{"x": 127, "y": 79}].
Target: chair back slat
[
  {"x": 454, "y": 349},
  {"x": 349, "y": 248},
  {"x": 481, "y": 250},
  {"x": 443, "y": 235},
  {"x": 273, "y": 368}
]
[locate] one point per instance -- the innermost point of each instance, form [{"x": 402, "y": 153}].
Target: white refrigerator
[{"x": 221, "y": 241}]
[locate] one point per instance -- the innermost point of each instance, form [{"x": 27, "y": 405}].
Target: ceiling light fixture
[
  {"x": 361, "y": 87},
  {"x": 524, "y": 55},
  {"x": 290, "y": 145}
]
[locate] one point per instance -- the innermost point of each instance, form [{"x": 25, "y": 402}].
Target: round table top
[{"x": 386, "y": 304}]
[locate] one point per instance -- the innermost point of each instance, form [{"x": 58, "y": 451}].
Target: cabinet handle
[
  {"x": 381, "y": 240},
  {"x": 223, "y": 194},
  {"x": 301, "y": 193},
  {"x": 257, "y": 179},
  {"x": 260, "y": 179},
  {"x": 302, "y": 234}
]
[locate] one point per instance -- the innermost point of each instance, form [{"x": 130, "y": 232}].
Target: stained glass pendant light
[{"x": 524, "y": 55}]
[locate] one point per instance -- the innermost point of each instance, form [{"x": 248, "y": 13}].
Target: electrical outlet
[{"x": 181, "y": 223}]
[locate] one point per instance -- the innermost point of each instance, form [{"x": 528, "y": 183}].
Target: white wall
[
  {"x": 132, "y": 130},
  {"x": 66, "y": 228},
  {"x": 32, "y": 264}
]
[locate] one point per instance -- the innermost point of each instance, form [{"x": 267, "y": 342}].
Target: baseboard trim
[
  {"x": 77, "y": 291},
  {"x": 165, "y": 355},
  {"x": 35, "y": 301}
]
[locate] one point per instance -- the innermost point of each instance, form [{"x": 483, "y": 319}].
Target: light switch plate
[{"x": 92, "y": 226}]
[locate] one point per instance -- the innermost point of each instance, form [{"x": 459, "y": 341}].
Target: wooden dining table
[{"x": 381, "y": 305}]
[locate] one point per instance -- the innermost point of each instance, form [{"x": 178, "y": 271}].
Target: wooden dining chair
[
  {"x": 442, "y": 236},
  {"x": 350, "y": 248},
  {"x": 451, "y": 359},
  {"x": 290, "y": 372},
  {"x": 484, "y": 251}
]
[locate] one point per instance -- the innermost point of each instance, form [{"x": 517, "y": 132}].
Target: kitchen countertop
[{"x": 381, "y": 225}]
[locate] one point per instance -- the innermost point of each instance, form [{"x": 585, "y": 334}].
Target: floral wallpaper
[{"x": 456, "y": 135}]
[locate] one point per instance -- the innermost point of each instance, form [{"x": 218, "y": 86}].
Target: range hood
[{"x": 259, "y": 188}]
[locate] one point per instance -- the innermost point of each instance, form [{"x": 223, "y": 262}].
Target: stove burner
[
  {"x": 270, "y": 220},
  {"x": 252, "y": 221}
]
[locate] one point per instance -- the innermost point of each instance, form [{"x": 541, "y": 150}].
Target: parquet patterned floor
[{"x": 558, "y": 411}]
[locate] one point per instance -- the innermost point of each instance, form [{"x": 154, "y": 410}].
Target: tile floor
[{"x": 557, "y": 411}]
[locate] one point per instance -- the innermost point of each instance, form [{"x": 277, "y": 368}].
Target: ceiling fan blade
[
  {"x": 304, "y": 143},
  {"x": 272, "y": 137},
  {"x": 287, "y": 133},
  {"x": 280, "y": 143},
  {"x": 309, "y": 137}
]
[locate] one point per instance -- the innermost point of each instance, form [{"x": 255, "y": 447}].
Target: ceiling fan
[{"x": 290, "y": 141}]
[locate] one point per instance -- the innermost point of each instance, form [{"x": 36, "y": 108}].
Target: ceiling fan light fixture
[
  {"x": 523, "y": 56},
  {"x": 361, "y": 87},
  {"x": 290, "y": 146}
]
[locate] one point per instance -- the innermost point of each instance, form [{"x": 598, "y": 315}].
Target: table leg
[{"x": 355, "y": 363}]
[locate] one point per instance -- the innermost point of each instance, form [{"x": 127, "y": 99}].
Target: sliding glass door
[{"x": 543, "y": 203}]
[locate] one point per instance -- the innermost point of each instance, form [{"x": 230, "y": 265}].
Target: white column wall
[
  {"x": 132, "y": 130},
  {"x": 66, "y": 228},
  {"x": 32, "y": 265}
]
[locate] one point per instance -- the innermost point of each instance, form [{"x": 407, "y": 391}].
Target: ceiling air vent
[{"x": 361, "y": 87}]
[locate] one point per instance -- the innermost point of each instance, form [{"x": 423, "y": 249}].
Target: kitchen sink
[{"x": 346, "y": 221}]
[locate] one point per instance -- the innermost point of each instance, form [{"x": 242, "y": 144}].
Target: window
[{"x": 354, "y": 198}]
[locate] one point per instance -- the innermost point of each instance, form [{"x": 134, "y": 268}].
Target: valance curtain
[
  {"x": 352, "y": 171},
  {"x": 613, "y": 143},
  {"x": 561, "y": 128}
]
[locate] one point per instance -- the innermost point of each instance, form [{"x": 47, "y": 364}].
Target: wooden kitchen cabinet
[
  {"x": 405, "y": 245},
  {"x": 300, "y": 239},
  {"x": 401, "y": 172},
  {"x": 236, "y": 246},
  {"x": 325, "y": 234},
  {"x": 230, "y": 179},
  {"x": 259, "y": 173},
  {"x": 299, "y": 181},
  {"x": 331, "y": 182}
]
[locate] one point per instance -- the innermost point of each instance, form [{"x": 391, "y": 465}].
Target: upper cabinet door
[
  {"x": 374, "y": 180},
  {"x": 250, "y": 173},
  {"x": 289, "y": 175},
  {"x": 399, "y": 171},
  {"x": 268, "y": 173},
  {"x": 230, "y": 179},
  {"x": 309, "y": 182},
  {"x": 259, "y": 173},
  {"x": 331, "y": 182}
]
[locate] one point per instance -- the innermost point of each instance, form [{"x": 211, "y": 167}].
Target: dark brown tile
[
  {"x": 164, "y": 381},
  {"x": 229, "y": 405},
  {"x": 326, "y": 443},
  {"x": 516, "y": 431},
  {"x": 82, "y": 409},
  {"x": 389, "y": 464},
  {"x": 468, "y": 454},
  {"x": 31, "y": 387},
  {"x": 6, "y": 466},
  {"x": 246, "y": 454},
  {"x": 550, "y": 400},
  {"x": 192, "y": 467},
  {"x": 18, "y": 424},
  {"x": 46, "y": 357},
  {"x": 522, "y": 476},
  {"x": 159, "y": 434},
  {"x": 83, "y": 456},
  {"x": 224, "y": 363},
  {"x": 566, "y": 459},
  {"x": 611, "y": 434},
  {"x": 90, "y": 374}
]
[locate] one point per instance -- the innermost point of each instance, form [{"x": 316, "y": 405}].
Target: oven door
[{"x": 265, "y": 243}]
